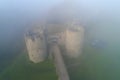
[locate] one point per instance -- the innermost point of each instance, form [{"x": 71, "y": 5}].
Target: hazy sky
[
  {"x": 24, "y": 10},
  {"x": 29, "y": 7},
  {"x": 32, "y": 8}
]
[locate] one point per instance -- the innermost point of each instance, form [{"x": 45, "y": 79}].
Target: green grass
[{"x": 23, "y": 69}]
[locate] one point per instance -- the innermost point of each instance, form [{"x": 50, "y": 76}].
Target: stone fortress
[{"x": 70, "y": 36}]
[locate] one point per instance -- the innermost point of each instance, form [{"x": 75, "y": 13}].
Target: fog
[{"x": 16, "y": 15}]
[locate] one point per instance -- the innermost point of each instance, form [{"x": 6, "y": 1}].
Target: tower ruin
[{"x": 36, "y": 45}]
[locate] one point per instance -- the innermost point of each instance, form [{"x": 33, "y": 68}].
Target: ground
[{"x": 23, "y": 69}]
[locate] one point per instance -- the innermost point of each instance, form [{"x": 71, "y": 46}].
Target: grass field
[{"x": 23, "y": 69}]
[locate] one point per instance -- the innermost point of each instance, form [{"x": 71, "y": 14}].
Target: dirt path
[{"x": 59, "y": 62}]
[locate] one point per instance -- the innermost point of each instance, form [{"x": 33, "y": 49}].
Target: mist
[
  {"x": 17, "y": 14},
  {"x": 102, "y": 17}
]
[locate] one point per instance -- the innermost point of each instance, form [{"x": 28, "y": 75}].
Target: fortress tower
[
  {"x": 36, "y": 45},
  {"x": 74, "y": 39}
]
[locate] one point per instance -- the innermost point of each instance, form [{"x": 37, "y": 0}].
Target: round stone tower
[
  {"x": 74, "y": 40},
  {"x": 36, "y": 46}
]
